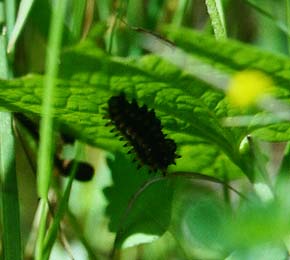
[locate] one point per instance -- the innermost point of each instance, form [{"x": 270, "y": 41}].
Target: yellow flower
[{"x": 246, "y": 87}]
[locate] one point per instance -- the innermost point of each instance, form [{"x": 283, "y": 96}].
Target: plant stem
[
  {"x": 10, "y": 16},
  {"x": 9, "y": 190},
  {"x": 120, "y": 13},
  {"x": 41, "y": 229},
  {"x": 45, "y": 156},
  {"x": 77, "y": 19},
  {"x": 287, "y": 7},
  {"x": 23, "y": 11},
  {"x": 179, "y": 13},
  {"x": 46, "y": 123},
  {"x": 279, "y": 24},
  {"x": 53, "y": 230},
  {"x": 215, "y": 11}
]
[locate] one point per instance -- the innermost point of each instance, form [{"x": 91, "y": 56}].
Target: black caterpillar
[{"x": 143, "y": 131}]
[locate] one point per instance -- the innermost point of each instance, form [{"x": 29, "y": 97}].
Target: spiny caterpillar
[{"x": 143, "y": 131}]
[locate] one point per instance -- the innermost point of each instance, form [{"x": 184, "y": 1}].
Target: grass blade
[
  {"x": 44, "y": 167},
  {"x": 77, "y": 19},
  {"x": 9, "y": 15},
  {"x": 9, "y": 190},
  {"x": 46, "y": 124},
  {"x": 179, "y": 14},
  {"x": 287, "y": 7},
  {"x": 23, "y": 11},
  {"x": 53, "y": 230},
  {"x": 215, "y": 11},
  {"x": 279, "y": 24}
]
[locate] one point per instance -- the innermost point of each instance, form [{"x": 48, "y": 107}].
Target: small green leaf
[{"x": 147, "y": 215}]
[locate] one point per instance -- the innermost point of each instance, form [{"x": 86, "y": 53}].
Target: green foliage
[
  {"x": 81, "y": 96},
  {"x": 143, "y": 207},
  {"x": 131, "y": 213},
  {"x": 190, "y": 110}
]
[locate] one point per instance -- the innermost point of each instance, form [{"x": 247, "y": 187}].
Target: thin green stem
[
  {"x": 4, "y": 68},
  {"x": 41, "y": 229},
  {"x": 287, "y": 7},
  {"x": 10, "y": 215},
  {"x": 279, "y": 24},
  {"x": 215, "y": 11},
  {"x": 226, "y": 190},
  {"x": 9, "y": 191},
  {"x": 46, "y": 124},
  {"x": 103, "y": 7},
  {"x": 10, "y": 15},
  {"x": 179, "y": 13},
  {"x": 45, "y": 156},
  {"x": 23, "y": 11},
  {"x": 77, "y": 19},
  {"x": 119, "y": 15},
  {"x": 53, "y": 230}
]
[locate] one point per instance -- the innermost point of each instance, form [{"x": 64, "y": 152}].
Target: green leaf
[
  {"x": 147, "y": 215},
  {"x": 231, "y": 56},
  {"x": 190, "y": 110},
  {"x": 183, "y": 103},
  {"x": 204, "y": 158},
  {"x": 87, "y": 80}
]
